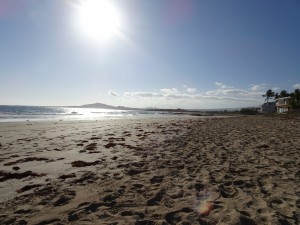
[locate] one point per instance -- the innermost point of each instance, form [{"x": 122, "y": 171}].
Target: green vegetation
[
  {"x": 295, "y": 99},
  {"x": 282, "y": 94},
  {"x": 248, "y": 111}
]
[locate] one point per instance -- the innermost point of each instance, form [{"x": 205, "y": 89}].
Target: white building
[{"x": 282, "y": 105}]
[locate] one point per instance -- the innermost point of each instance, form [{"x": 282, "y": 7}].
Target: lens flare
[{"x": 204, "y": 203}]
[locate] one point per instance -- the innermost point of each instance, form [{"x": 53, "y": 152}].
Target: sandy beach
[{"x": 185, "y": 170}]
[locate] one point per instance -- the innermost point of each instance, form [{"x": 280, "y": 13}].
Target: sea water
[{"x": 9, "y": 113}]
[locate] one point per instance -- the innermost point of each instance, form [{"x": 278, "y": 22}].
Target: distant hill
[{"x": 104, "y": 106}]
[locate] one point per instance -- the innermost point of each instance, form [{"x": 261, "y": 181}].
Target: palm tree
[
  {"x": 284, "y": 94},
  {"x": 269, "y": 94}
]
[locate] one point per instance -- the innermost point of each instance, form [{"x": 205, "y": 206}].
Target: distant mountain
[{"x": 104, "y": 106}]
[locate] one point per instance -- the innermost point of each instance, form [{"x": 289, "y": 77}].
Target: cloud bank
[
  {"x": 296, "y": 86},
  {"x": 222, "y": 96}
]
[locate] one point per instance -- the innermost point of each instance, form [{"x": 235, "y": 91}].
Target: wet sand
[{"x": 243, "y": 170}]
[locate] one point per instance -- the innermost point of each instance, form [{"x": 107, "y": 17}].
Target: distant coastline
[{"x": 105, "y": 106}]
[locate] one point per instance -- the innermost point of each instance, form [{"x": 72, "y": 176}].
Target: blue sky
[{"x": 166, "y": 53}]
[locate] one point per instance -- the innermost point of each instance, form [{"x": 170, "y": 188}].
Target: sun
[{"x": 98, "y": 20}]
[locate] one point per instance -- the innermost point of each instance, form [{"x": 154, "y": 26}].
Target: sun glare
[{"x": 98, "y": 19}]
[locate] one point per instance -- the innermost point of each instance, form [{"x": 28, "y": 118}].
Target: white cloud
[
  {"x": 143, "y": 94},
  {"x": 113, "y": 93},
  {"x": 221, "y": 85},
  {"x": 169, "y": 91},
  {"x": 296, "y": 86},
  {"x": 163, "y": 94},
  {"x": 227, "y": 91},
  {"x": 191, "y": 90},
  {"x": 257, "y": 87},
  {"x": 275, "y": 88},
  {"x": 233, "y": 91},
  {"x": 215, "y": 92}
]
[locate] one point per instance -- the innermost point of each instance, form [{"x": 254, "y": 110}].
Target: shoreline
[
  {"x": 43, "y": 113},
  {"x": 241, "y": 170}
]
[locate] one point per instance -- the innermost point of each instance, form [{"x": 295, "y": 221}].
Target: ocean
[{"x": 10, "y": 113}]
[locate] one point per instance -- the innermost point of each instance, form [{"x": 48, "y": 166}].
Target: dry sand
[{"x": 184, "y": 171}]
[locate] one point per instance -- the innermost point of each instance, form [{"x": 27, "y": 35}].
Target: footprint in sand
[
  {"x": 177, "y": 216},
  {"x": 156, "y": 199},
  {"x": 80, "y": 163},
  {"x": 65, "y": 198},
  {"x": 156, "y": 179},
  {"x": 132, "y": 213},
  {"x": 228, "y": 191},
  {"x": 66, "y": 176},
  {"x": 28, "y": 187},
  {"x": 145, "y": 222},
  {"x": 87, "y": 177}
]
